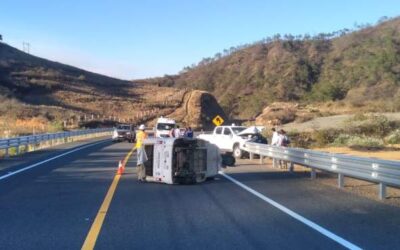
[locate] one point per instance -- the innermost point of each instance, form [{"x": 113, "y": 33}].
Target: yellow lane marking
[
  {"x": 94, "y": 231},
  {"x": 128, "y": 156}
]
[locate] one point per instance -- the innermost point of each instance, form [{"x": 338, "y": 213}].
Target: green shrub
[
  {"x": 394, "y": 137},
  {"x": 12, "y": 151},
  {"x": 365, "y": 142},
  {"x": 355, "y": 141},
  {"x": 341, "y": 140},
  {"x": 374, "y": 125},
  {"x": 300, "y": 140},
  {"x": 324, "y": 137},
  {"x": 56, "y": 126}
]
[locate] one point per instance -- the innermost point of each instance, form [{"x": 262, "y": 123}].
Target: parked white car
[{"x": 230, "y": 138}]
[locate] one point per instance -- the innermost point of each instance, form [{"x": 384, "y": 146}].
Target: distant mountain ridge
[
  {"x": 38, "y": 95},
  {"x": 22, "y": 73},
  {"x": 356, "y": 67}
]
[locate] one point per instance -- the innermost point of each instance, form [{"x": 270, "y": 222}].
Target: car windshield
[
  {"x": 165, "y": 126},
  {"x": 238, "y": 129},
  {"x": 123, "y": 127}
]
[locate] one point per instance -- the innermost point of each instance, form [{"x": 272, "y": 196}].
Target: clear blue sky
[{"x": 138, "y": 39}]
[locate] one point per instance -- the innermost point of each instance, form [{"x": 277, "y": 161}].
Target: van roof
[{"x": 165, "y": 120}]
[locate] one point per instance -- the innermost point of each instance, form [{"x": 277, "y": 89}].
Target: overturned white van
[{"x": 181, "y": 160}]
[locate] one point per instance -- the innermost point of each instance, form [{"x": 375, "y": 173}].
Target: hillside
[
  {"x": 356, "y": 68},
  {"x": 38, "y": 95}
]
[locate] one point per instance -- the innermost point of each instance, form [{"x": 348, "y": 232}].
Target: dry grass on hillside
[{"x": 140, "y": 103}]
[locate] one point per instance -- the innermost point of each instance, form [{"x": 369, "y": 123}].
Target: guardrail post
[
  {"x": 291, "y": 167},
  {"x": 261, "y": 159},
  {"x": 251, "y": 156},
  {"x": 341, "y": 180},
  {"x": 382, "y": 191},
  {"x": 17, "y": 147},
  {"x": 33, "y": 144},
  {"x": 7, "y": 154},
  {"x": 313, "y": 173},
  {"x": 274, "y": 162}
]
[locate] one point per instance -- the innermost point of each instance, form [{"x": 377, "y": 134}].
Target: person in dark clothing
[{"x": 189, "y": 132}]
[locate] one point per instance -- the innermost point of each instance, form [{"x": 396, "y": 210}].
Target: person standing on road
[
  {"x": 275, "y": 137},
  {"x": 274, "y": 142},
  {"x": 189, "y": 132},
  {"x": 141, "y": 153},
  {"x": 177, "y": 132},
  {"x": 283, "y": 141}
]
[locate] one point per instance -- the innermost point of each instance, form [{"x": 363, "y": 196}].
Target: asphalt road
[{"x": 53, "y": 205}]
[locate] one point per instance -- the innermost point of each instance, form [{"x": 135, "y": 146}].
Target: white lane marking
[
  {"x": 293, "y": 214},
  {"x": 50, "y": 159}
]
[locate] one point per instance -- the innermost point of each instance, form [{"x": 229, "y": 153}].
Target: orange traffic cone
[{"x": 121, "y": 168}]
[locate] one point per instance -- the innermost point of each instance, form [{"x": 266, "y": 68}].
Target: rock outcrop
[{"x": 198, "y": 110}]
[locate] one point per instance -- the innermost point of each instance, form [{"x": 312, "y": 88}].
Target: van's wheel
[{"x": 237, "y": 152}]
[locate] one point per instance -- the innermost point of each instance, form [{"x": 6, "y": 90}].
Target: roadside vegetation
[{"x": 362, "y": 131}]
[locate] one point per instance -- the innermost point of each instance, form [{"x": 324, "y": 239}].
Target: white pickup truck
[{"x": 230, "y": 138}]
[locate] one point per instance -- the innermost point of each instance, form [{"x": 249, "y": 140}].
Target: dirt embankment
[{"x": 329, "y": 122}]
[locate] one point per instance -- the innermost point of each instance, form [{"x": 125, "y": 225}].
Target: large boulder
[{"x": 198, "y": 109}]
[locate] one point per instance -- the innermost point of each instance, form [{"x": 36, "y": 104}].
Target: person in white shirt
[
  {"x": 275, "y": 137},
  {"x": 283, "y": 141},
  {"x": 274, "y": 142},
  {"x": 177, "y": 132}
]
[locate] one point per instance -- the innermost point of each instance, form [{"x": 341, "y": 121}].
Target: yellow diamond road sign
[{"x": 218, "y": 120}]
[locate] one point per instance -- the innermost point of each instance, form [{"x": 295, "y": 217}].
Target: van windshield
[
  {"x": 165, "y": 126},
  {"x": 124, "y": 127}
]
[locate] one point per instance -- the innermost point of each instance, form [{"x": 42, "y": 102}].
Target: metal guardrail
[
  {"x": 17, "y": 142},
  {"x": 384, "y": 172}
]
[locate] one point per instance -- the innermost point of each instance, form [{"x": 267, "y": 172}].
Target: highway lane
[
  {"x": 220, "y": 215},
  {"x": 362, "y": 221},
  {"x": 53, "y": 206},
  {"x": 7, "y": 164},
  {"x": 213, "y": 215}
]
